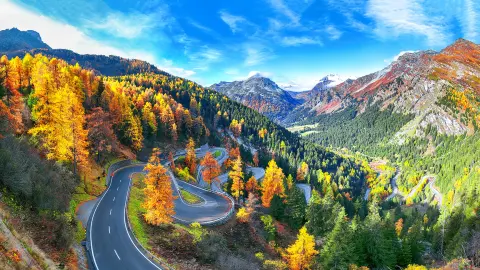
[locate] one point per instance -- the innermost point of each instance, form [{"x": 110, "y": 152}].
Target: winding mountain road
[{"x": 109, "y": 240}]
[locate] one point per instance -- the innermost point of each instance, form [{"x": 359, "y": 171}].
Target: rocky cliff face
[
  {"x": 441, "y": 89},
  {"x": 261, "y": 94},
  {"x": 14, "y": 40}
]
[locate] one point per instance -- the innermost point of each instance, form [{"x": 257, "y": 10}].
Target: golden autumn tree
[
  {"x": 272, "y": 183},
  {"x": 302, "y": 171},
  {"x": 211, "y": 168},
  {"x": 159, "y": 199},
  {"x": 236, "y": 174},
  {"x": 191, "y": 157},
  {"x": 301, "y": 254},
  {"x": 252, "y": 185}
]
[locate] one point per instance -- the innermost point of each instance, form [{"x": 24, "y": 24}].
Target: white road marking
[
  {"x": 117, "y": 254},
  {"x": 118, "y": 188},
  {"x": 110, "y": 212},
  {"x": 108, "y": 229},
  {"x": 113, "y": 198}
]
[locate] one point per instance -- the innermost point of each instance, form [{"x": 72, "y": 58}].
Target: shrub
[{"x": 211, "y": 246}]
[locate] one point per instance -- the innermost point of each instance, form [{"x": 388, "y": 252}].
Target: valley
[{"x": 377, "y": 172}]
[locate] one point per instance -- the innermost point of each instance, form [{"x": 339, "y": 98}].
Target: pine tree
[
  {"x": 295, "y": 208},
  {"x": 159, "y": 199},
  {"x": 338, "y": 251}
]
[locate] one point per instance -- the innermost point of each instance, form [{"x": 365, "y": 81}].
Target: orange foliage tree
[
  {"x": 159, "y": 199},
  {"x": 302, "y": 171},
  {"x": 211, "y": 168},
  {"x": 252, "y": 185},
  {"x": 272, "y": 183},
  {"x": 191, "y": 157}
]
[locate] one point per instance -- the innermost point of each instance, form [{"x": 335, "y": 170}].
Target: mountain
[
  {"x": 429, "y": 85},
  {"x": 323, "y": 84},
  {"x": 14, "y": 40},
  {"x": 260, "y": 94},
  {"x": 18, "y": 43}
]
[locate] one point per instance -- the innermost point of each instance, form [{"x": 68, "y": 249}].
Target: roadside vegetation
[{"x": 190, "y": 197}]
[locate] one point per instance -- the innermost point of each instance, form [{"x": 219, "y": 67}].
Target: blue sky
[{"x": 295, "y": 42}]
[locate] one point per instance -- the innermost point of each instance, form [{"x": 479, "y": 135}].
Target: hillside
[
  {"x": 418, "y": 84},
  {"x": 62, "y": 126},
  {"x": 260, "y": 94},
  {"x": 14, "y": 42}
]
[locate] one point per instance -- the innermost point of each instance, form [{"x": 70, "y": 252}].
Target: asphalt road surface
[{"x": 112, "y": 245}]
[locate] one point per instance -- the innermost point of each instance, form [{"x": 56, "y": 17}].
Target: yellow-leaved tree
[
  {"x": 236, "y": 174},
  {"x": 191, "y": 157},
  {"x": 301, "y": 253},
  {"x": 159, "y": 199},
  {"x": 272, "y": 183}
]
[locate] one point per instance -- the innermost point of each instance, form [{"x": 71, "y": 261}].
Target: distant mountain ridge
[
  {"x": 15, "y": 42},
  {"x": 417, "y": 83},
  {"x": 259, "y": 93}
]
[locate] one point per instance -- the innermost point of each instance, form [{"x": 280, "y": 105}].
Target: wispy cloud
[
  {"x": 232, "y": 21},
  {"x": 333, "y": 32},
  {"x": 205, "y": 55},
  {"x": 395, "y": 18},
  {"x": 298, "y": 41},
  {"x": 470, "y": 20},
  {"x": 121, "y": 25},
  {"x": 282, "y": 8},
  {"x": 256, "y": 54}
]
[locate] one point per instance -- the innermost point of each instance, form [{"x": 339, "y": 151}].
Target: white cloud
[
  {"x": 64, "y": 36},
  {"x": 399, "y": 17},
  {"x": 333, "y": 32},
  {"x": 205, "y": 55},
  {"x": 121, "y": 25},
  {"x": 231, "y": 20},
  {"x": 259, "y": 73},
  {"x": 297, "y": 41},
  {"x": 395, "y": 58},
  {"x": 471, "y": 25},
  {"x": 283, "y": 9},
  {"x": 168, "y": 66},
  {"x": 256, "y": 54}
]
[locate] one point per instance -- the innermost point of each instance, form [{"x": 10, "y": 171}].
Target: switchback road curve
[{"x": 110, "y": 242}]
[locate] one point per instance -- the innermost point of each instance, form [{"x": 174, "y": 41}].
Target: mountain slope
[
  {"x": 260, "y": 94},
  {"x": 14, "y": 42},
  {"x": 417, "y": 83}
]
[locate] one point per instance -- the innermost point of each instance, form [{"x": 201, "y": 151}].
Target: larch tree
[
  {"x": 272, "y": 183},
  {"x": 236, "y": 174},
  {"x": 252, "y": 185},
  {"x": 211, "y": 169},
  {"x": 100, "y": 133},
  {"x": 301, "y": 254},
  {"x": 159, "y": 199},
  {"x": 191, "y": 157},
  {"x": 302, "y": 171}
]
